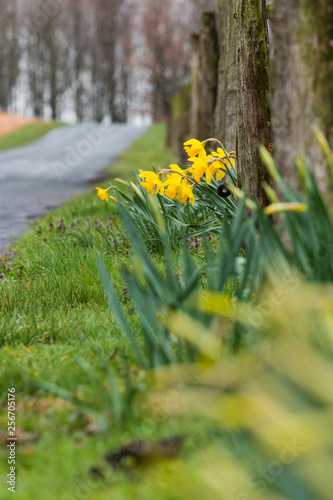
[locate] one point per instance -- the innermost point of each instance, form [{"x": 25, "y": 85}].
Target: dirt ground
[{"x": 9, "y": 123}]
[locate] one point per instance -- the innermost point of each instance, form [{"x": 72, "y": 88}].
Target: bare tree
[
  {"x": 87, "y": 47},
  {"x": 166, "y": 38},
  {"x": 36, "y": 57},
  {"x": 78, "y": 36},
  {"x": 124, "y": 54},
  {"x": 110, "y": 47},
  {"x": 47, "y": 55},
  {"x": 9, "y": 51},
  {"x": 57, "y": 69}
]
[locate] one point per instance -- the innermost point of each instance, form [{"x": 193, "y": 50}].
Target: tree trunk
[
  {"x": 225, "y": 113},
  {"x": 302, "y": 82},
  {"x": 181, "y": 112},
  {"x": 168, "y": 126},
  {"x": 253, "y": 111},
  {"x": 9, "y": 52},
  {"x": 209, "y": 65},
  {"x": 195, "y": 87},
  {"x": 317, "y": 50}
]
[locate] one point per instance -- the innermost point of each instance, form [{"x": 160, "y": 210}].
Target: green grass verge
[
  {"x": 55, "y": 327},
  {"x": 27, "y": 134}
]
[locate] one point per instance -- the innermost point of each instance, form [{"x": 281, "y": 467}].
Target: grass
[
  {"x": 27, "y": 134},
  {"x": 55, "y": 327},
  {"x": 147, "y": 151},
  {"x": 73, "y": 370}
]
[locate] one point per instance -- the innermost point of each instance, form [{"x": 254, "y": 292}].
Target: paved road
[{"x": 41, "y": 176}]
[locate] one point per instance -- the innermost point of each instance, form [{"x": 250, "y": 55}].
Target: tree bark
[
  {"x": 302, "y": 82},
  {"x": 195, "y": 87},
  {"x": 209, "y": 65},
  {"x": 181, "y": 112},
  {"x": 291, "y": 98},
  {"x": 253, "y": 110},
  {"x": 317, "y": 50},
  {"x": 225, "y": 113}
]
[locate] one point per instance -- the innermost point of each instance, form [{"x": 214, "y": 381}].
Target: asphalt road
[{"x": 41, "y": 176}]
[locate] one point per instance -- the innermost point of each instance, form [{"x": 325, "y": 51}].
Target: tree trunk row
[
  {"x": 200, "y": 98},
  {"x": 230, "y": 87},
  {"x": 248, "y": 90}
]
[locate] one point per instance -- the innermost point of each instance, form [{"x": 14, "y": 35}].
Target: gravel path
[{"x": 41, "y": 176}]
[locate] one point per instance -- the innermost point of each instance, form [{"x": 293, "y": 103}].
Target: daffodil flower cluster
[{"x": 179, "y": 183}]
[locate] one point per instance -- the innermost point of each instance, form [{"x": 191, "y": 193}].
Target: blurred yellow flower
[
  {"x": 185, "y": 192},
  {"x": 200, "y": 167},
  {"x": 218, "y": 169},
  {"x": 204, "y": 164},
  {"x": 277, "y": 208},
  {"x": 153, "y": 183},
  {"x": 178, "y": 187},
  {"x": 193, "y": 147},
  {"x": 231, "y": 163},
  {"x": 177, "y": 168},
  {"x": 174, "y": 183},
  {"x": 103, "y": 193}
]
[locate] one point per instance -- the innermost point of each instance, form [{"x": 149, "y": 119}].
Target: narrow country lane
[{"x": 42, "y": 175}]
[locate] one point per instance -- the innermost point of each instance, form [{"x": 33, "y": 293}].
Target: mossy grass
[{"x": 55, "y": 323}]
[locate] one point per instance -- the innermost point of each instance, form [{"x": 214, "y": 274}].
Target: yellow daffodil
[
  {"x": 178, "y": 187},
  {"x": 177, "y": 168},
  {"x": 200, "y": 167},
  {"x": 218, "y": 169},
  {"x": 153, "y": 183},
  {"x": 193, "y": 148},
  {"x": 231, "y": 163},
  {"x": 178, "y": 184},
  {"x": 186, "y": 192},
  {"x": 174, "y": 181},
  {"x": 174, "y": 185},
  {"x": 103, "y": 193}
]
